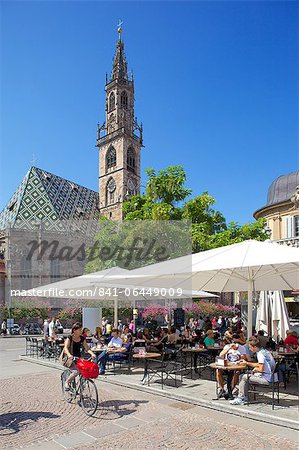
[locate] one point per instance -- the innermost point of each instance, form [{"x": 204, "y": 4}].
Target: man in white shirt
[
  {"x": 262, "y": 373},
  {"x": 232, "y": 354},
  {"x": 115, "y": 341}
]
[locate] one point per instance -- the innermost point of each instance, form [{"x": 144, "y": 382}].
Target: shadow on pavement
[
  {"x": 11, "y": 423},
  {"x": 118, "y": 408}
]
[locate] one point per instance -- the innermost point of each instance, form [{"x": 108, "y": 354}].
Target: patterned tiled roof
[{"x": 43, "y": 197}]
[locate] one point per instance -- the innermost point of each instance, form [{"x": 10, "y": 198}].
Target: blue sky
[{"x": 215, "y": 87}]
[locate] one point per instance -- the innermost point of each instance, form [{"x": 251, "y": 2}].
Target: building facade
[
  {"x": 282, "y": 209},
  {"x": 119, "y": 141},
  {"x": 282, "y": 215}
]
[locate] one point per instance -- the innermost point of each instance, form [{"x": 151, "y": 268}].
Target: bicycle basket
[{"x": 88, "y": 369}]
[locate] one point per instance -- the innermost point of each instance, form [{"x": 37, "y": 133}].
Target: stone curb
[
  {"x": 241, "y": 412},
  {"x": 13, "y": 336}
]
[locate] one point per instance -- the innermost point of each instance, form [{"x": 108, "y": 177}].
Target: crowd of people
[{"x": 221, "y": 337}]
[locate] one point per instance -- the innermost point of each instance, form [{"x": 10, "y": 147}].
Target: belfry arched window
[
  {"x": 110, "y": 158},
  {"x": 124, "y": 100},
  {"x": 131, "y": 159},
  {"x": 111, "y": 101},
  {"x": 110, "y": 191}
]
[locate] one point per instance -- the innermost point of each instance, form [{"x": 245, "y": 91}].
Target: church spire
[{"x": 119, "y": 70}]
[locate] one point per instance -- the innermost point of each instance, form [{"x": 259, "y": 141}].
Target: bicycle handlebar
[{"x": 75, "y": 358}]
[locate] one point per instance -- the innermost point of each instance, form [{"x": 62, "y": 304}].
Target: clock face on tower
[
  {"x": 131, "y": 186},
  {"x": 111, "y": 185}
]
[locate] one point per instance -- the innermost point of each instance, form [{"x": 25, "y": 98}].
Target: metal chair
[
  {"x": 273, "y": 386},
  {"x": 169, "y": 367},
  {"x": 29, "y": 346},
  {"x": 35, "y": 347}
]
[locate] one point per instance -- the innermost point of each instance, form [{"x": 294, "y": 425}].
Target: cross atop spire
[
  {"x": 119, "y": 70},
  {"x": 119, "y": 29}
]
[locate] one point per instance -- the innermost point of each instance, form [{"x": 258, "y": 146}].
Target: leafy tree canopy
[{"x": 166, "y": 198}]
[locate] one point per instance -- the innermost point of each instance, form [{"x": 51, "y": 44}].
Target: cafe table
[
  {"x": 218, "y": 348},
  {"x": 231, "y": 368},
  {"x": 290, "y": 353},
  {"x": 145, "y": 358},
  {"x": 108, "y": 349}
]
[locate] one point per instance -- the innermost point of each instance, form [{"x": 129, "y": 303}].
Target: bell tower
[{"x": 119, "y": 140}]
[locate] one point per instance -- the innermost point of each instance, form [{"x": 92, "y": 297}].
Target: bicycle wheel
[
  {"x": 88, "y": 396},
  {"x": 69, "y": 395}
]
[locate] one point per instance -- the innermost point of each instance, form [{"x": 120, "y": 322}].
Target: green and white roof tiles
[{"x": 51, "y": 200}]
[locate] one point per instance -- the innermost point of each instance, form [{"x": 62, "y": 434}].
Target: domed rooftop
[{"x": 282, "y": 188}]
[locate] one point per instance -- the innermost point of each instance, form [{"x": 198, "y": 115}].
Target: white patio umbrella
[
  {"x": 86, "y": 287},
  {"x": 272, "y": 315},
  {"x": 279, "y": 315},
  {"x": 246, "y": 266},
  {"x": 262, "y": 314}
]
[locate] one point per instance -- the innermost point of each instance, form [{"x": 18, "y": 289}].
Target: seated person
[
  {"x": 262, "y": 338},
  {"x": 173, "y": 338},
  {"x": 271, "y": 344},
  {"x": 158, "y": 346},
  {"x": 121, "y": 355},
  {"x": 232, "y": 354},
  {"x": 98, "y": 337},
  {"x": 262, "y": 370},
  {"x": 207, "y": 325},
  {"x": 216, "y": 335},
  {"x": 241, "y": 338},
  {"x": 146, "y": 335},
  {"x": 98, "y": 333},
  {"x": 86, "y": 332},
  {"x": 115, "y": 342},
  {"x": 209, "y": 339},
  {"x": 139, "y": 343},
  {"x": 125, "y": 334},
  {"x": 199, "y": 337},
  {"x": 187, "y": 332},
  {"x": 246, "y": 353},
  {"x": 228, "y": 335},
  {"x": 184, "y": 341},
  {"x": 291, "y": 339}
]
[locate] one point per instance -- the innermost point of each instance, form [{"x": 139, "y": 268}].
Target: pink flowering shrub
[
  {"x": 153, "y": 311},
  {"x": 204, "y": 308}
]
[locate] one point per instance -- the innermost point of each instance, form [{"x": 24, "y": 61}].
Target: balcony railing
[{"x": 291, "y": 242}]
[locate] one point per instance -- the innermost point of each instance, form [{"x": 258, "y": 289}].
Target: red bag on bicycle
[{"x": 88, "y": 369}]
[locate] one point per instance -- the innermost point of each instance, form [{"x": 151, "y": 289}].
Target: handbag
[{"x": 63, "y": 359}]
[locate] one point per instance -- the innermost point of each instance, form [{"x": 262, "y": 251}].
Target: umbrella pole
[
  {"x": 115, "y": 312},
  {"x": 249, "y": 309}
]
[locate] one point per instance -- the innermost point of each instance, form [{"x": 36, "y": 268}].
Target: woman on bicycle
[{"x": 73, "y": 348}]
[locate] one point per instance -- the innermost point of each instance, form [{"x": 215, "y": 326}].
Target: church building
[
  {"x": 119, "y": 140},
  {"x": 45, "y": 203}
]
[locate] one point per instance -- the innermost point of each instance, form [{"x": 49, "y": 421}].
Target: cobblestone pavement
[{"x": 32, "y": 411}]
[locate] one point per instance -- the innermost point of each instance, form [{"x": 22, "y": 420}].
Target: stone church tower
[{"x": 119, "y": 140}]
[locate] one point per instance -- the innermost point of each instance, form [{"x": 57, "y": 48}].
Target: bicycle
[{"x": 83, "y": 387}]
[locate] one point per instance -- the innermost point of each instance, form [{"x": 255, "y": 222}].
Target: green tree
[
  {"x": 234, "y": 233},
  {"x": 164, "y": 191},
  {"x": 165, "y": 200}
]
